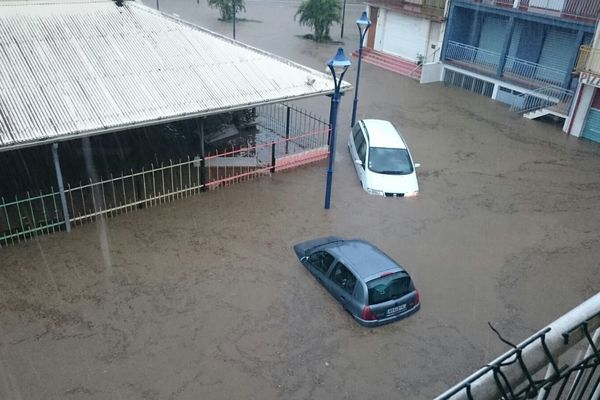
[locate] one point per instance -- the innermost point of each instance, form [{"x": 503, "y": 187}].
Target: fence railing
[
  {"x": 588, "y": 60},
  {"x": 481, "y": 58},
  {"x": 557, "y": 98},
  {"x": 515, "y": 69},
  {"x": 290, "y": 138},
  {"x": 584, "y": 10},
  {"x": 530, "y": 71}
]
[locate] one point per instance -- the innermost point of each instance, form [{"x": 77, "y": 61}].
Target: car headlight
[
  {"x": 376, "y": 192},
  {"x": 411, "y": 194}
]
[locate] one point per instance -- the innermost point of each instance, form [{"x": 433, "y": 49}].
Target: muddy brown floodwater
[{"x": 204, "y": 299}]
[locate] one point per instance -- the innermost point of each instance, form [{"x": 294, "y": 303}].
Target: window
[
  {"x": 390, "y": 161},
  {"x": 389, "y": 287},
  {"x": 321, "y": 260},
  {"x": 342, "y": 277},
  {"x": 361, "y": 148},
  {"x": 356, "y": 133}
]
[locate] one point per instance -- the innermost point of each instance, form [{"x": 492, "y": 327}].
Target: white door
[{"x": 405, "y": 35}]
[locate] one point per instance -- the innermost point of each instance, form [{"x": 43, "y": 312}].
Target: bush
[
  {"x": 225, "y": 7},
  {"x": 319, "y": 15}
]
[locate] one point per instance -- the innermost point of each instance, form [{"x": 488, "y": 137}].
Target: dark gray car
[{"x": 369, "y": 284}]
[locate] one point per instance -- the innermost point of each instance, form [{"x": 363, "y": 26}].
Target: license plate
[{"x": 396, "y": 310}]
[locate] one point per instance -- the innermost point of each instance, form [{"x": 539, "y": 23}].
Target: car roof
[
  {"x": 383, "y": 134},
  {"x": 362, "y": 257}
]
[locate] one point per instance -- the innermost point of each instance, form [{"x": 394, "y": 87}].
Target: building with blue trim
[{"x": 520, "y": 52}]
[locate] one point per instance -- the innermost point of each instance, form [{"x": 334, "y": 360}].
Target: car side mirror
[
  {"x": 358, "y": 162},
  {"x": 417, "y": 165}
]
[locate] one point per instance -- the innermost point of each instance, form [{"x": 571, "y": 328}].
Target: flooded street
[{"x": 203, "y": 298}]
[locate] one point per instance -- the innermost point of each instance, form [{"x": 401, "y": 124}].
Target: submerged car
[
  {"x": 382, "y": 160},
  {"x": 371, "y": 286}
]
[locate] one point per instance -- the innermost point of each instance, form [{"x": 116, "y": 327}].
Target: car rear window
[{"x": 389, "y": 287}]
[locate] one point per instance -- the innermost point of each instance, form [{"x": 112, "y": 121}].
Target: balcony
[
  {"x": 587, "y": 11},
  {"x": 514, "y": 70},
  {"x": 426, "y": 8},
  {"x": 588, "y": 60}
]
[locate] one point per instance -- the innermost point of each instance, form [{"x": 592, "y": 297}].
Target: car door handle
[{"x": 343, "y": 299}]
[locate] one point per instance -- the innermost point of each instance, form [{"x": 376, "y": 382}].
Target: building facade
[
  {"x": 410, "y": 29},
  {"x": 585, "y": 115},
  {"x": 520, "y": 52}
]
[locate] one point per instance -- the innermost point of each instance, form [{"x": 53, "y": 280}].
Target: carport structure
[{"x": 83, "y": 69}]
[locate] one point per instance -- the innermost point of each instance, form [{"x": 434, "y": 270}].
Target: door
[
  {"x": 358, "y": 152},
  {"x": 318, "y": 264},
  {"x": 591, "y": 129},
  {"x": 373, "y": 15},
  {"x": 404, "y": 35},
  {"x": 342, "y": 284},
  {"x": 491, "y": 40},
  {"x": 556, "y": 55}
]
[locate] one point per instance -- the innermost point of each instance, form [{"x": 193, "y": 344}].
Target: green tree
[
  {"x": 225, "y": 7},
  {"x": 319, "y": 15}
]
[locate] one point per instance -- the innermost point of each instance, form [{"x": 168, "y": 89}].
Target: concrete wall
[{"x": 583, "y": 101}]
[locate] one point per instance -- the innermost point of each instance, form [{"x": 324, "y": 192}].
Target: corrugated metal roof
[{"x": 70, "y": 69}]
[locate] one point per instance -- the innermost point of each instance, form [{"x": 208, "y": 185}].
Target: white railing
[
  {"x": 588, "y": 10},
  {"x": 533, "y": 72},
  {"x": 532, "y": 370},
  {"x": 472, "y": 55},
  {"x": 557, "y": 98}
]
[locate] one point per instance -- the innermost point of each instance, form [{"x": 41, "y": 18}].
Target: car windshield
[
  {"x": 389, "y": 287},
  {"x": 390, "y": 161}
]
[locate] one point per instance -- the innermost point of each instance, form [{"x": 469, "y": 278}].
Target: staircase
[
  {"x": 549, "y": 100},
  {"x": 391, "y": 63}
]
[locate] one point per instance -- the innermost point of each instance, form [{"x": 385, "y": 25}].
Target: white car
[{"x": 382, "y": 159}]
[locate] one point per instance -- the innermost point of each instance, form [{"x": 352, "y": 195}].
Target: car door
[
  {"x": 342, "y": 283},
  {"x": 318, "y": 264},
  {"x": 358, "y": 151}
]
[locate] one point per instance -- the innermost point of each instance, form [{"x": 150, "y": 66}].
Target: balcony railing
[
  {"x": 515, "y": 70},
  {"x": 431, "y": 8},
  {"x": 522, "y": 69},
  {"x": 475, "y": 57},
  {"x": 588, "y": 60},
  {"x": 581, "y": 10}
]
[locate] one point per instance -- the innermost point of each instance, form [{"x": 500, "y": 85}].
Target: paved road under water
[{"x": 203, "y": 298}]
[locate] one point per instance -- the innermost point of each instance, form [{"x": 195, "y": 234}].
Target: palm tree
[
  {"x": 225, "y": 7},
  {"x": 319, "y": 15}
]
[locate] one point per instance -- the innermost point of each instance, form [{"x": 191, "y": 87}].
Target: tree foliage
[
  {"x": 225, "y": 7},
  {"x": 319, "y": 15}
]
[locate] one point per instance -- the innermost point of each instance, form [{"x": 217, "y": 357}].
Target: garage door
[
  {"x": 591, "y": 129},
  {"x": 403, "y": 36}
]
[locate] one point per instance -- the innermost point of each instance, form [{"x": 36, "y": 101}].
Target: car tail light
[
  {"x": 417, "y": 299},
  {"x": 367, "y": 314}
]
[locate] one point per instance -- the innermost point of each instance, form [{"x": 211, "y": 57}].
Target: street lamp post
[
  {"x": 338, "y": 66},
  {"x": 363, "y": 24}
]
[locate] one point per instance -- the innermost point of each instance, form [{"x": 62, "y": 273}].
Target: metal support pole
[
  {"x": 233, "y": 6},
  {"x": 61, "y": 187},
  {"x": 157, "y": 5},
  {"x": 273, "y": 157},
  {"x": 343, "y": 18},
  {"x": 202, "y": 159},
  {"x": 287, "y": 128}
]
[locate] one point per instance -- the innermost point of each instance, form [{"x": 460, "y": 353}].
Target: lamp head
[
  {"x": 339, "y": 63},
  {"x": 363, "y": 22}
]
